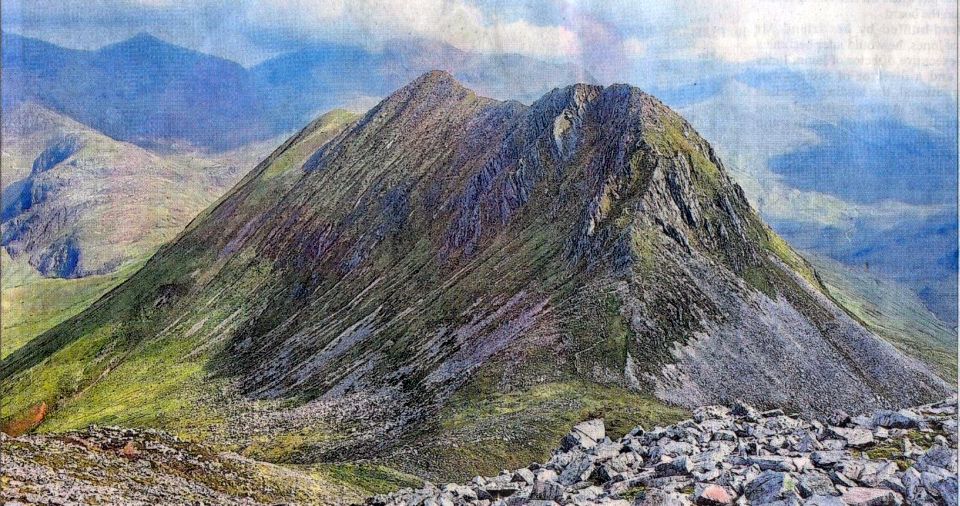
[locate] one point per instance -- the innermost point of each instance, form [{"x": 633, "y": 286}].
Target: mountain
[
  {"x": 141, "y": 90},
  {"x": 449, "y": 282},
  {"x": 876, "y": 163},
  {"x": 87, "y": 203},
  {"x": 161, "y": 96},
  {"x": 82, "y": 211},
  {"x": 324, "y": 76},
  {"x": 892, "y": 312}
]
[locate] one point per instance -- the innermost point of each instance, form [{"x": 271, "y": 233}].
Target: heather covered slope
[{"x": 451, "y": 267}]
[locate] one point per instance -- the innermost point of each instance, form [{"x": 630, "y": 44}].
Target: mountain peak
[
  {"x": 437, "y": 79},
  {"x": 143, "y": 43}
]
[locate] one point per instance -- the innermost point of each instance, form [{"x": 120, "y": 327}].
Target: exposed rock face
[
  {"x": 592, "y": 236},
  {"x": 722, "y": 458}
]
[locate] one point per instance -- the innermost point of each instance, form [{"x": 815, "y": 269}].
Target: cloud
[
  {"x": 634, "y": 47},
  {"x": 865, "y": 38},
  {"x": 456, "y": 22}
]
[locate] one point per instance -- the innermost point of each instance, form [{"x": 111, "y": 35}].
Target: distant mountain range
[
  {"x": 448, "y": 271},
  {"x": 162, "y": 96},
  {"x": 81, "y": 203}
]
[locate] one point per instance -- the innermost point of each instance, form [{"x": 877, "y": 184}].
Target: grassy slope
[
  {"x": 113, "y": 343},
  {"x": 893, "y": 312},
  {"x": 32, "y": 304}
]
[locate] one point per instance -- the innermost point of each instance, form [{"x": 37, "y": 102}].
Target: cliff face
[{"x": 447, "y": 248}]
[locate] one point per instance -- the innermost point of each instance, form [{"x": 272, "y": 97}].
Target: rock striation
[{"x": 733, "y": 455}]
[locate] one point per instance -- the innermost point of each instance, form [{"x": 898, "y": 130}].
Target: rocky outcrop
[{"x": 736, "y": 455}]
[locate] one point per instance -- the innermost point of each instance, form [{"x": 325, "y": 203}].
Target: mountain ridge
[{"x": 447, "y": 250}]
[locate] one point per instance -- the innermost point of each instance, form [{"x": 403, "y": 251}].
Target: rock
[
  {"x": 743, "y": 410},
  {"x": 946, "y": 490},
  {"x": 770, "y": 486},
  {"x": 827, "y": 459},
  {"x": 764, "y": 458},
  {"x": 860, "y": 496},
  {"x": 585, "y": 434},
  {"x": 129, "y": 450},
  {"x": 938, "y": 457},
  {"x": 855, "y": 437},
  {"x": 816, "y": 483},
  {"x": 774, "y": 463},
  {"x": 839, "y": 418},
  {"x": 578, "y": 470},
  {"x": 661, "y": 498},
  {"x": 874, "y": 474},
  {"x": 713, "y": 495},
  {"x": 548, "y": 491},
  {"x": 676, "y": 467},
  {"x": 903, "y": 419},
  {"x": 523, "y": 475},
  {"x": 824, "y": 500}
]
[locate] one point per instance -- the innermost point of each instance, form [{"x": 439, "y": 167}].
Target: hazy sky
[{"x": 865, "y": 39}]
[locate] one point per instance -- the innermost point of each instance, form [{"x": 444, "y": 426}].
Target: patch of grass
[
  {"x": 633, "y": 492},
  {"x": 539, "y": 416},
  {"x": 371, "y": 479},
  {"x": 31, "y": 305}
]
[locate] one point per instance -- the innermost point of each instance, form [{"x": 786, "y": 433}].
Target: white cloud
[
  {"x": 455, "y": 22},
  {"x": 634, "y": 47},
  {"x": 915, "y": 39}
]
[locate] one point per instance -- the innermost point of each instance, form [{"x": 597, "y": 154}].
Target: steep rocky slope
[{"x": 396, "y": 292}]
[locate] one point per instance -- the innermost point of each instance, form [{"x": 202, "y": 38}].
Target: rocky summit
[
  {"x": 735, "y": 455},
  {"x": 447, "y": 283}
]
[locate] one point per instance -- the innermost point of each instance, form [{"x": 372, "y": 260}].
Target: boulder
[
  {"x": 903, "y": 419},
  {"x": 770, "y": 486},
  {"x": 861, "y": 496},
  {"x": 712, "y": 495},
  {"x": 584, "y": 434}
]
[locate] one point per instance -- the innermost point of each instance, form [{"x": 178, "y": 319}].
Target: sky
[{"x": 866, "y": 39}]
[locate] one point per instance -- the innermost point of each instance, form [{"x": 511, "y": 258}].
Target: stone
[
  {"x": 903, "y": 419},
  {"x": 774, "y": 463},
  {"x": 661, "y": 498},
  {"x": 523, "y": 475},
  {"x": 946, "y": 490},
  {"x": 938, "y": 457},
  {"x": 770, "y": 486},
  {"x": 855, "y": 437},
  {"x": 861, "y": 496},
  {"x": 713, "y": 495},
  {"x": 676, "y": 467},
  {"x": 584, "y": 434},
  {"x": 815, "y": 483},
  {"x": 548, "y": 491},
  {"x": 824, "y": 500},
  {"x": 827, "y": 458},
  {"x": 743, "y": 410}
]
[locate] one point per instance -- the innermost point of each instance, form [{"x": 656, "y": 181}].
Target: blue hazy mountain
[
  {"x": 158, "y": 95},
  {"x": 141, "y": 90}
]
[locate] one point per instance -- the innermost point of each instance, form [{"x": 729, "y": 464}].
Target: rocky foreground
[
  {"x": 734, "y": 456},
  {"x": 114, "y": 466}
]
